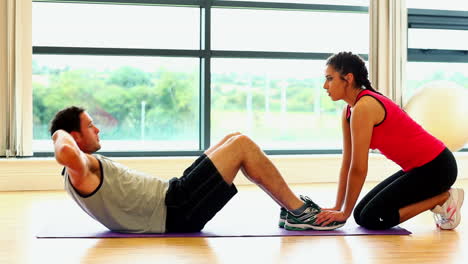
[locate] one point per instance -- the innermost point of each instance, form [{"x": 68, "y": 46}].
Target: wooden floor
[{"x": 22, "y": 214}]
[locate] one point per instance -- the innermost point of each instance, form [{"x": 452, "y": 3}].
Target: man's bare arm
[{"x": 80, "y": 166}]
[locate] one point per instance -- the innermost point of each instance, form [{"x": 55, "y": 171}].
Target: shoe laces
[
  {"x": 441, "y": 218},
  {"x": 444, "y": 217},
  {"x": 311, "y": 203}
]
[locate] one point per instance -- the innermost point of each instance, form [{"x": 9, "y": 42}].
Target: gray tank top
[{"x": 126, "y": 200}]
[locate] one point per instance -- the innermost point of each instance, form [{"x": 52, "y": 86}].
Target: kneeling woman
[{"x": 371, "y": 120}]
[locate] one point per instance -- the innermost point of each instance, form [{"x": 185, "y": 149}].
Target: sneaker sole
[
  {"x": 281, "y": 223},
  {"x": 303, "y": 227},
  {"x": 326, "y": 228},
  {"x": 296, "y": 227},
  {"x": 460, "y": 194}
]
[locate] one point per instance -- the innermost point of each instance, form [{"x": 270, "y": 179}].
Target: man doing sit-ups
[{"x": 125, "y": 200}]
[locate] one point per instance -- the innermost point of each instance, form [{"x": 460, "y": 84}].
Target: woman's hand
[
  {"x": 327, "y": 216},
  {"x": 336, "y": 208}
]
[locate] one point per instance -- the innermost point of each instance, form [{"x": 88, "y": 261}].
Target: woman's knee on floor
[
  {"x": 357, "y": 216},
  {"x": 377, "y": 219}
]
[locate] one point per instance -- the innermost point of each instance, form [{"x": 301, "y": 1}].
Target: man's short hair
[{"x": 67, "y": 119}]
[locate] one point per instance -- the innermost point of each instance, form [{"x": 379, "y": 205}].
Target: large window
[
  {"x": 437, "y": 44},
  {"x": 454, "y": 5},
  {"x": 115, "y": 26},
  {"x": 171, "y": 77},
  {"x": 139, "y": 103},
  {"x": 279, "y": 107},
  {"x": 437, "y": 49},
  {"x": 295, "y": 31}
]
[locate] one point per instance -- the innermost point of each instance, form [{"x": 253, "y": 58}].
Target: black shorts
[{"x": 194, "y": 199}]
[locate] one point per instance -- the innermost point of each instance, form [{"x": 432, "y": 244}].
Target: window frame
[
  {"x": 205, "y": 54},
  {"x": 437, "y": 19}
]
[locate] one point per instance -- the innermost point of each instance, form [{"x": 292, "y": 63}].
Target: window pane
[
  {"x": 270, "y": 30},
  {"x": 279, "y": 103},
  {"x": 138, "y": 103},
  {"x": 321, "y": 2},
  {"x": 438, "y": 39},
  {"x": 115, "y": 26},
  {"x": 437, "y": 4},
  {"x": 421, "y": 73}
]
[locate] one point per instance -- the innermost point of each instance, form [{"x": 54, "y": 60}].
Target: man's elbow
[
  {"x": 56, "y": 135},
  {"x": 65, "y": 154}
]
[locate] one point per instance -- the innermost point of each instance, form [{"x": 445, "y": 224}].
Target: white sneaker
[{"x": 448, "y": 215}]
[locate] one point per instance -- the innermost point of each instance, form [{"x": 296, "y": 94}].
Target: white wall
[{"x": 44, "y": 173}]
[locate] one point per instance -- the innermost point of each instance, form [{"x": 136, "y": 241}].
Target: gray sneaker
[
  {"x": 282, "y": 218},
  {"x": 306, "y": 220},
  {"x": 284, "y": 213}
]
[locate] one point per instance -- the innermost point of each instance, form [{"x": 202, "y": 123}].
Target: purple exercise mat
[
  {"x": 239, "y": 218},
  {"x": 353, "y": 231},
  {"x": 92, "y": 229}
]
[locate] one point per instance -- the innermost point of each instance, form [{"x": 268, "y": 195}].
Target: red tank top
[{"x": 399, "y": 137}]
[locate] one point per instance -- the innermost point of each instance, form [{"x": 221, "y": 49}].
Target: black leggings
[{"x": 379, "y": 209}]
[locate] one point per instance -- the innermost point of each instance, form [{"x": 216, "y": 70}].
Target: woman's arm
[
  {"x": 361, "y": 133},
  {"x": 346, "y": 160},
  {"x": 367, "y": 112},
  {"x": 363, "y": 118}
]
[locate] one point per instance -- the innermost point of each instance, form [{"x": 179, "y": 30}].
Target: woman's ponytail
[{"x": 367, "y": 84}]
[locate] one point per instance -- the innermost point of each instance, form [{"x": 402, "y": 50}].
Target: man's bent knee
[
  {"x": 246, "y": 143},
  {"x": 230, "y": 135}
]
